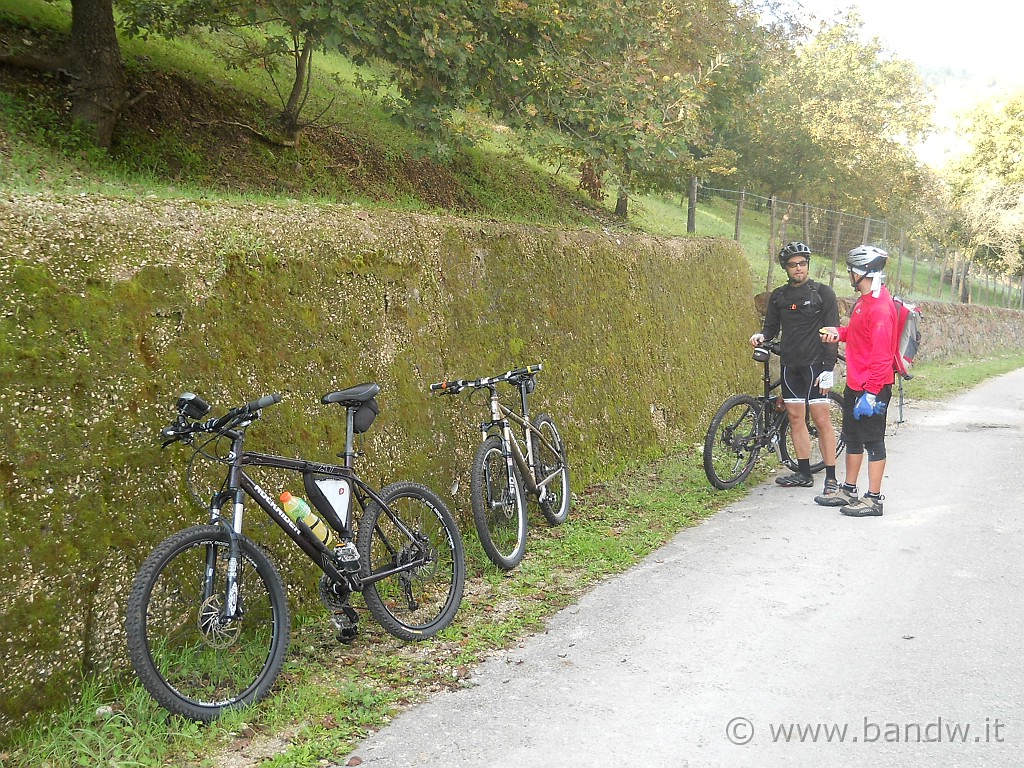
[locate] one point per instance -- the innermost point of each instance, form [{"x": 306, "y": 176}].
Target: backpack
[{"x": 908, "y": 336}]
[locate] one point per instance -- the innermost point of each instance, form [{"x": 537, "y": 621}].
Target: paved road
[{"x": 900, "y": 636}]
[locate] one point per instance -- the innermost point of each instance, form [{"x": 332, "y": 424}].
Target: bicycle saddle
[{"x": 353, "y": 396}]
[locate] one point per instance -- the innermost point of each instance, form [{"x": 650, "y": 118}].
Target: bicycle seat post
[
  {"x": 350, "y": 453},
  {"x": 522, "y": 399}
]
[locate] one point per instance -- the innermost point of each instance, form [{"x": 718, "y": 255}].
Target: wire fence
[{"x": 918, "y": 271}]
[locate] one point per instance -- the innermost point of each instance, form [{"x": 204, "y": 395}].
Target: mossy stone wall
[{"x": 112, "y": 307}]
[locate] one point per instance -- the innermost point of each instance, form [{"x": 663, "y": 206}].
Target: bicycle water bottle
[{"x": 297, "y": 509}]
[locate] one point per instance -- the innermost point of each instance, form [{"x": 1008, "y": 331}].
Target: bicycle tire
[
  {"x": 191, "y": 664},
  {"x": 555, "y": 506},
  {"x": 417, "y": 603},
  {"x": 499, "y": 506},
  {"x": 733, "y": 442},
  {"x": 788, "y": 454}
]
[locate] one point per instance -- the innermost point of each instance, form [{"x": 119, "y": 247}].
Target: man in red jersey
[{"x": 870, "y": 343}]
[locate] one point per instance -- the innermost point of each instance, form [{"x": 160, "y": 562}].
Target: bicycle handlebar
[
  {"x": 456, "y": 386},
  {"x": 182, "y": 427},
  {"x": 775, "y": 348}
]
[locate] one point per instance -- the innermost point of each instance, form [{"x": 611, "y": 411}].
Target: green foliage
[
  {"x": 834, "y": 122},
  {"x": 988, "y": 187}
]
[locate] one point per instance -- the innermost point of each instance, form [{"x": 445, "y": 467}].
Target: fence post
[
  {"x": 771, "y": 246},
  {"x": 899, "y": 257},
  {"x": 739, "y": 214},
  {"x": 807, "y": 226},
  {"x": 835, "y": 247},
  {"x": 691, "y": 208},
  {"x": 942, "y": 272},
  {"x": 867, "y": 229},
  {"x": 913, "y": 267}
]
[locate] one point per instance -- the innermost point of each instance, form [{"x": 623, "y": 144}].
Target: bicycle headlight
[{"x": 192, "y": 405}]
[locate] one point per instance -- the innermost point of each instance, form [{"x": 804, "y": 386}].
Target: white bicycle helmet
[{"x": 868, "y": 261}]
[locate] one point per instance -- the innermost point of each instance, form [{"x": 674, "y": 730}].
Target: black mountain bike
[
  {"x": 745, "y": 425},
  {"x": 507, "y": 467},
  {"x": 207, "y": 617}
]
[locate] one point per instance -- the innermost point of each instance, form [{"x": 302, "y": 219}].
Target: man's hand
[
  {"x": 825, "y": 381},
  {"x": 868, "y": 405},
  {"x": 757, "y": 339},
  {"x": 829, "y": 335}
]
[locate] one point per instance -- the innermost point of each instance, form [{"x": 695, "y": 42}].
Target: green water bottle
[{"x": 297, "y": 509}]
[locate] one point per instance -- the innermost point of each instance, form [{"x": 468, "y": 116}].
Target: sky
[{"x": 982, "y": 38}]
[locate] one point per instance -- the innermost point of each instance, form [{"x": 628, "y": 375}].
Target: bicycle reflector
[
  {"x": 192, "y": 405},
  {"x": 761, "y": 354}
]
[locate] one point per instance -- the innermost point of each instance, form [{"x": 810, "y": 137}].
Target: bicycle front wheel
[
  {"x": 193, "y": 659},
  {"x": 788, "y": 453},
  {"x": 415, "y": 542},
  {"x": 499, "y": 505},
  {"x": 733, "y": 442},
  {"x": 550, "y": 458}
]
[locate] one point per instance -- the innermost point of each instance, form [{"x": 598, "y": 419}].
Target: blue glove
[{"x": 868, "y": 405}]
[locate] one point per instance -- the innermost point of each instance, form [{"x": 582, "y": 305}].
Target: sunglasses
[{"x": 795, "y": 264}]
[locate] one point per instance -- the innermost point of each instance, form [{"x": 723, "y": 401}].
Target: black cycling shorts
[
  {"x": 866, "y": 429},
  {"x": 799, "y": 384}
]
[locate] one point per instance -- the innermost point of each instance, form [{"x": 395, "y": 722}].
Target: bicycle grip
[{"x": 264, "y": 402}]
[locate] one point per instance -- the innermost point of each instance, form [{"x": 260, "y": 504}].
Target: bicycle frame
[
  {"x": 772, "y": 416},
  {"x": 240, "y": 484},
  {"x": 502, "y": 418}
]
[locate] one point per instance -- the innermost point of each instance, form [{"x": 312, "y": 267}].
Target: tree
[
  {"x": 987, "y": 186},
  {"x": 835, "y": 122},
  {"x": 93, "y": 66},
  {"x": 265, "y": 33},
  {"x": 623, "y": 84}
]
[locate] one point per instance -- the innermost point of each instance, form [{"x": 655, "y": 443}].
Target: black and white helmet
[
  {"x": 866, "y": 259},
  {"x": 796, "y": 248}
]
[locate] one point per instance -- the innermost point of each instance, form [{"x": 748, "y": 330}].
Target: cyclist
[
  {"x": 870, "y": 343},
  {"x": 800, "y": 308}
]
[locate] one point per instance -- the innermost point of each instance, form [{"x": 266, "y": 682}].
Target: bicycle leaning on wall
[
  {"x": 207, "y": 617},
  {"x": 507, "y": 467},
  {"x": 745, "y": 425}
]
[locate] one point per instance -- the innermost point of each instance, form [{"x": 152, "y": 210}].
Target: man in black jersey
[{"x": 799, "y": 308}]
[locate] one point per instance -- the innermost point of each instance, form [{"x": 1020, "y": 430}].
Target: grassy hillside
[{"x": 200, "y": 129}]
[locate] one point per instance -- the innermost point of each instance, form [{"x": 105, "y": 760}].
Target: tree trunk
[
  {"x": 622, "y": 202},
  {"x": 300, "y": 87},
  {"x": 99, "y": 89}
]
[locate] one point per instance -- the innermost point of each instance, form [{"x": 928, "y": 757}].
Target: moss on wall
[{"x": 113, "y": 307}]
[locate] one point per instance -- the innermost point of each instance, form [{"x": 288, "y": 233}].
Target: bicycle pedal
[{"x": 346, "y": 624}]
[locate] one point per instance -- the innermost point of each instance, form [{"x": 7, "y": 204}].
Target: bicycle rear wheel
[
  {"x": 788, "y": 453},
  {"x": 416, "y": 534},
  {"x": 732, "y": 444},
  {"x": 193, "y": 662},
  {"x": 499, "y": 505},
  {"x": 555, "y": 506}
]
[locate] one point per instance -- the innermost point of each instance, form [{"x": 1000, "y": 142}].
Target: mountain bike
[
  {"x": 507, "y": 466},
  {"x": 207, "y": 617},
  {"x": 745, "y": 425}
]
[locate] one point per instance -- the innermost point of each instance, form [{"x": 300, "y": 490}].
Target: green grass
[{"x": 943, "y": 379}]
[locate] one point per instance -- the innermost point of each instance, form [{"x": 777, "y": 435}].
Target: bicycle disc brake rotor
[{"x": 217, "y": 634}]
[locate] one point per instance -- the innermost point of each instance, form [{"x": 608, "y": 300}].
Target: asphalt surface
[{"x": 780, "y": 633}]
